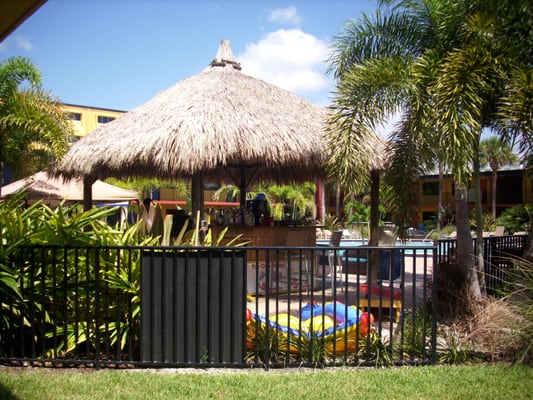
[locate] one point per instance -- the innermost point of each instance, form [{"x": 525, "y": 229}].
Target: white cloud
[
  {"x": 23, "y": 43},
  {"x": 20, "y": 42},
  {"x": 285, "y": 15},
  {"x": 291, "y": 59}
]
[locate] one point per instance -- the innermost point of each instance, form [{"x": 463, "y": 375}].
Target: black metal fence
[
  {"x": 498, "y": 254},
  {"x": 238, "y": 307}
]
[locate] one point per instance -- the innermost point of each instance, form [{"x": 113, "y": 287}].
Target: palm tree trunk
[
  {"x": 197, "y": 194},
  {"x": 338, "y": 200},
  {"x": 493, "y": 190},
  {"x": 374, "y": 224},
  {"x": 1, "y": 173},
  {"x": 88, "y": 193},
  {"x": 465, "y": 260},
  {"x": 480, "y": 264},
  {"x": 439, "y": 205},
  {"x": 321, "y": 200}
]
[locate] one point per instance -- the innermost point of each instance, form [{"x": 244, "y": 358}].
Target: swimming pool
[{"x": 416, "y": 247}]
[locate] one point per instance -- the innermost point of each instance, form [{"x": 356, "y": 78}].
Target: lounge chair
[
  {"x": 355, "y": 261},
  {"x": 387, "y": 236},
  {"x": 451, "y": 235},
  {"x": 297, "y": 238},
  {"x": 335, "y": 266},
  {"x": 499, "y": 231},
  {"x": 330, "y": 267}
]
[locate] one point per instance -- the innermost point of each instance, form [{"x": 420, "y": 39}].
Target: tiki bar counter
[
  {"x": 284, "y": 274},
  {"x": 268, "y": 236}
]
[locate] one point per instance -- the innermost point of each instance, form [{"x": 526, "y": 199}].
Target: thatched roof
[
  {"x": 218, "y": 119},
  {"x": 40, "y": 186}
]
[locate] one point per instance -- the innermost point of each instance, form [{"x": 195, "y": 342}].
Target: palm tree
[
  {"x": 496, "y": 153},
  {"x": 477, "y": 80},
  {"x": 388, "y": 65},
  {"x": 444, "y": 65},
  {"x": 515, "y": 111},
  {"x": 33, "y": 128}
]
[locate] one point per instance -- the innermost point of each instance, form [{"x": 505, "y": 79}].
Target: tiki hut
[{"x": 220, "y": 124}]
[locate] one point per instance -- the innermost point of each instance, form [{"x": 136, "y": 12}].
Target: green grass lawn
[{"x": 440, "y": 382}]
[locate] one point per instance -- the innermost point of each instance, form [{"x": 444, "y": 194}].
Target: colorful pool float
[{"x": 336, "y": 325}]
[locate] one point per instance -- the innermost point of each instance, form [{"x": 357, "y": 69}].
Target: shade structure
[
  {"x": 220, "y": 124},
  {"x": 53, "y": 190}
]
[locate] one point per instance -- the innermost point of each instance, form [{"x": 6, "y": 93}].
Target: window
[
  {"x": 75, "y": 116},
  {"x": 430, "y": 188},
  {"x": 102, "y": 119}
]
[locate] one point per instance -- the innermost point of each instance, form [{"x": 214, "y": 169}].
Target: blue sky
[{"x": 120, "y": 53}]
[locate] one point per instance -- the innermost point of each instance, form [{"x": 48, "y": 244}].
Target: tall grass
[
  {"x": 493, "y": 328},
  {"x": 521, "y": 297}
]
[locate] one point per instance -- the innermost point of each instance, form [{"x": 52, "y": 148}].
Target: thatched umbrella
[
  {"x": 40, "y": 186},
  {"x": 219, "y": 124}
]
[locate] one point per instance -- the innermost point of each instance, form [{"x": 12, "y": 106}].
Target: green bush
[
  {"x": 489, "y": 224},
  {"x": 21, "y": 271},
  {"x": 516, "y": 219}
]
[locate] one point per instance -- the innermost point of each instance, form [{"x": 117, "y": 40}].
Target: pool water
[{"x": 417, "y": 247}]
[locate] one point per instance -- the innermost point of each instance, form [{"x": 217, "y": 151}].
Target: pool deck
[{"x": 417, "y": 271}]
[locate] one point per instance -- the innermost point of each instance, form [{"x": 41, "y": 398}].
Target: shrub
[
  {"x": 516, "y": 219},
  {"x": 21, "y": 270},
  {"x": 496, "y": 329}
]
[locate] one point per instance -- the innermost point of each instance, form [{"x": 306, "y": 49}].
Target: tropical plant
[
  {"x": 496, "y": 153},
  {"x": 191, "y": 238},
  {"x": 45, "y": 261},
  {"x": 384, "y": 65},
  {"x": 288, "y": 202},
  {"x": 297, "y": 201},
  {"x": 456, "y": 350},
  {"x": 34, "y": 131},
  {"x": 12, "y": 236},
  {"x": 120, "y": 268},
  {"x": 357, "y": 212},
  {"x": 415, "y": 338},
  {"x": 374, "y": 349},
  {"x": 331, "y": 222},
  {"x": 231, "y": 191},
  {"x": 477, "y": 78},
  {"x": 489, "y": 223}
]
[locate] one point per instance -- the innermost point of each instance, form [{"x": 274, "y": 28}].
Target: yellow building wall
[
  {"x": 86, "y": 119},
  {"x": 429, "y": 203}
]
